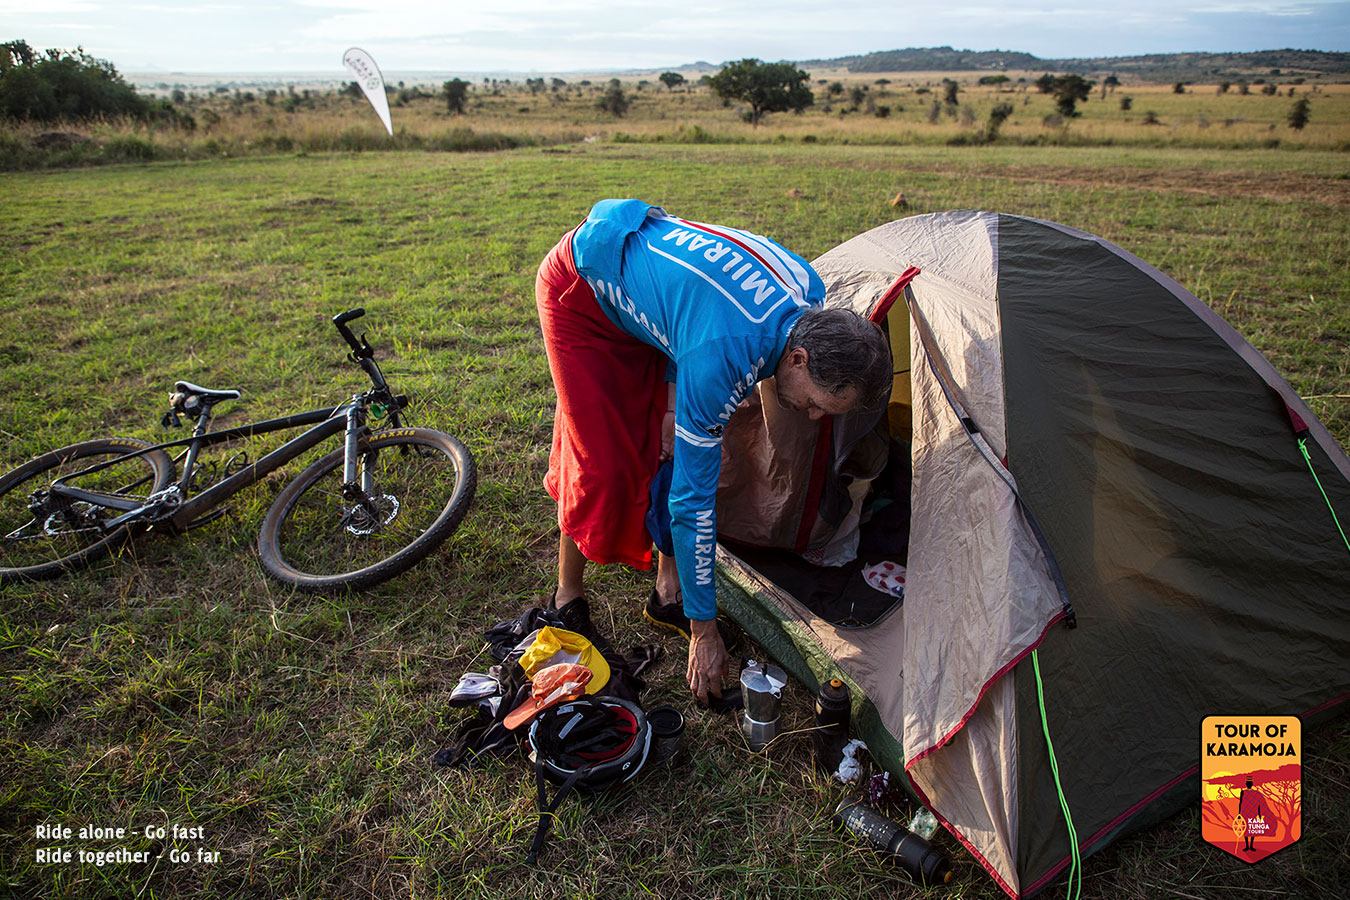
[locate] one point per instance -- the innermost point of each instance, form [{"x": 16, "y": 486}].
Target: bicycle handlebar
[
  {"x": 364, "y": 356},
  {"x": 360, "y": 349}
]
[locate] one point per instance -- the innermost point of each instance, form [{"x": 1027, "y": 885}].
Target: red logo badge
[{"x": 1251, "y": 784}]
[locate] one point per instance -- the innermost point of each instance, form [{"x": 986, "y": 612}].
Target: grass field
[{"x": 179, "y": 685}]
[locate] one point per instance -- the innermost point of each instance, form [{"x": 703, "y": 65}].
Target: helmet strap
[{"x": 547, "y": 811}]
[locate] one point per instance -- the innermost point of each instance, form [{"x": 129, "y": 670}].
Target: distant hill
[
  {"x": 930, "y": 59},
  {"x": 1150, "y": 67},
  {"x": 1188, "y": 66}
]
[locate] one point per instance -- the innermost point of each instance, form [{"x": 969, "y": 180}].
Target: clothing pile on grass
[
  {"x": 559, "y": 686},
  {"x": 521, "y": 648}
]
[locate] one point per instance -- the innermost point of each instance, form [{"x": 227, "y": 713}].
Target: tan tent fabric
[
  {"x": 976, "y": 777},
  {"x": 978, "y": 593}
]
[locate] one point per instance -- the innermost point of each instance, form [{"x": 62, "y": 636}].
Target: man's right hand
[{"x": 708, "y": 660}]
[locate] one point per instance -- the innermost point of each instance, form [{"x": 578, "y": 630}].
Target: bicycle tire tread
[
  {"x": 160, "y": 462},
  {"x": 447, "y": 521}
]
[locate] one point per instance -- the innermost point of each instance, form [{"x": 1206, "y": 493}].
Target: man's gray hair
[{"x": 844, "y": 350}]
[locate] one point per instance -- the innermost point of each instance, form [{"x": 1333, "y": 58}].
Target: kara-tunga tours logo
[{"x": 1251, "y": 783}]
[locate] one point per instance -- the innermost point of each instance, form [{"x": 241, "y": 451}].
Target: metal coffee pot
[{"x": 762, "y": 687}]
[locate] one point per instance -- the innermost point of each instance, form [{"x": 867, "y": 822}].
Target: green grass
[{"x": 180, "y": 685}]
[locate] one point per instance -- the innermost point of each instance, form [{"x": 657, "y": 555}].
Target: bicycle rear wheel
[
  {"x": 43, "y": 544},
  {"x": 315, "y": 539}
]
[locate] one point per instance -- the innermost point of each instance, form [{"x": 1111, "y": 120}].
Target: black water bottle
[
  {"x": 921, "y": 860},
  {"x": 831, "y": 733}
]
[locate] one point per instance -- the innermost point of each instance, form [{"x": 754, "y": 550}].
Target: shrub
[
  {"x": 1299, "y": 114},
  {"x": 612, "y": 100},
  {"x": 694, "y": 134},
  {"x": 460, "y": 140},
  {"x": 16, "y": 153},
  {"x": 1151, "y": 118},
  {"x": 1269, "y": 89},
  {"x": 62, "y": 85},
  {"x": 882, "y": 112},
  {"x": 455, "y": 91},
  {"x": 128, "y": 149},
  {"x": 1126, "y": 102},
  {"x": 279, "y": 143},
  {"x": 997, "y": 116}
]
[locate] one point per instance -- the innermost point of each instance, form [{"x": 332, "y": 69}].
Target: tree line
[{"x": 63, "y": 85}]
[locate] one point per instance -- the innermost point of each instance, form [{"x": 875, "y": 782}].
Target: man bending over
[{"x": 656, "y": 329}]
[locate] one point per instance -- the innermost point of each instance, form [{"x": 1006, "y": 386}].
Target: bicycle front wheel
[
  {"x": 42, "y": 538},
  {"x": 421, "y": 484}
]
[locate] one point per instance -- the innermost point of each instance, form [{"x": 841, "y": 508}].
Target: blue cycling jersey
[{"x": 720, "y": 303}]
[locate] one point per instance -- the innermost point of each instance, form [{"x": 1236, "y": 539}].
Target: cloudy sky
[{"x": 578, "y": 35}]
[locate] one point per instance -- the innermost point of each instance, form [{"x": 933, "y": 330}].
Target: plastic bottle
[
  {"x": 831, "y": 733},
  {"x": 921, "y": 860}
]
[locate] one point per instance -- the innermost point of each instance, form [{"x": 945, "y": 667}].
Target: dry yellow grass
[{"x": 894, "y": 108}]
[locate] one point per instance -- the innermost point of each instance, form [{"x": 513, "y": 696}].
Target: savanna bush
[{"x": 128, "y": 148}]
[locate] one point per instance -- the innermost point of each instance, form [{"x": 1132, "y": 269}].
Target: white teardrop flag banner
[{"x": 372, "y": 82}]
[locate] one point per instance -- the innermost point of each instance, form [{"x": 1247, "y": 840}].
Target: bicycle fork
[{"x": 366, "y": 514}]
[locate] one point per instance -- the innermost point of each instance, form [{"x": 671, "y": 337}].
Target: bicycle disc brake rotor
[{"x": 360, "y": 520}]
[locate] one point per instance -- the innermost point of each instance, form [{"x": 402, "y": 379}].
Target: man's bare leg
[
  {"x": 667, "y": 579},
  {"x": 571, "y": 569}
]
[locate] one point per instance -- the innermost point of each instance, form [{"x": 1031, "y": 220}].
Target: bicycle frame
[
  {"x": 327, "y": 423},
  {"x": 349, "y": 417}
]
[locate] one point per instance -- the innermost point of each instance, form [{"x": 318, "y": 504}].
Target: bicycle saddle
[{"x": 210, "y": 396}]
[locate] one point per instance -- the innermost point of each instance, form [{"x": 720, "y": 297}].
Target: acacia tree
[
  {"x": 1068, "y": 90},
  {"x": 671, "y": 80},
  {"x": 767, "y": 87}
]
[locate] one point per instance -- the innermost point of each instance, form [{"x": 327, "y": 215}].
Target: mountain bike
[{"x": 361, "y": 514}]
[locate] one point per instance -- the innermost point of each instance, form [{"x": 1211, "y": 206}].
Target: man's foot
[
  {"x": 575, "y": 615},
  {"x": 671, "y": 616},
  {"x": 666, "y": 615}
]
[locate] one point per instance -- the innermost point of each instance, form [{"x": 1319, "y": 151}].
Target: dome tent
[{"x": 1089, "y": 444}]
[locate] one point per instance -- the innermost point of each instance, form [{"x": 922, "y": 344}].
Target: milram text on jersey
[{"x": 720, "y": 303}]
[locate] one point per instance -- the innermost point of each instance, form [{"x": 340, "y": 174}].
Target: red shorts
[{"x": 607, "y": 426}]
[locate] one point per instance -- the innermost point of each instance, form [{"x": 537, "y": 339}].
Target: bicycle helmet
[{"x": 592, "y": 744}]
